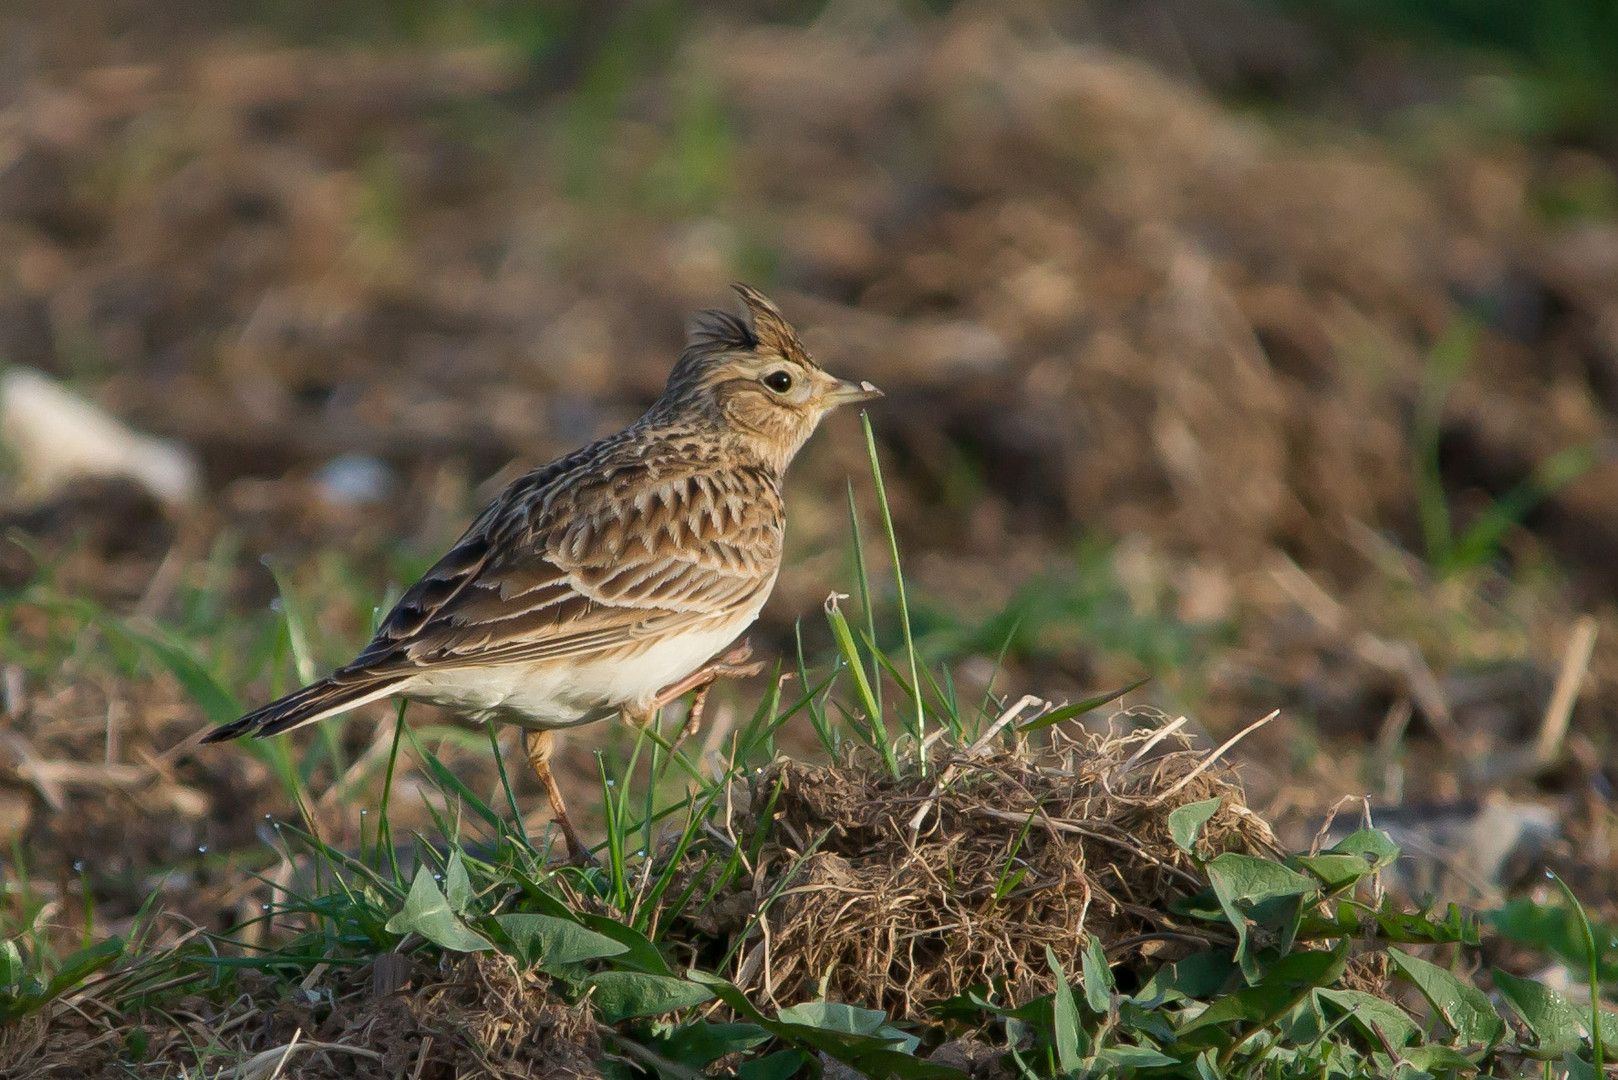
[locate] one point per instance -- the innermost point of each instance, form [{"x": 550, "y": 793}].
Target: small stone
[{"x": 354, "y": 480}]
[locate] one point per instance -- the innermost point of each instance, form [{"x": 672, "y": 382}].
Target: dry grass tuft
[{"x": 1020, "y": 849}]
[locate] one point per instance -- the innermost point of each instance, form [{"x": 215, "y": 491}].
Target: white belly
[{"x": 561, "y": 693}]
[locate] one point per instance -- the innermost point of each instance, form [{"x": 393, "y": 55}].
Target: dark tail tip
[
  {"x": 300, "y": 707},
  {"x": 226, "y": 733}
]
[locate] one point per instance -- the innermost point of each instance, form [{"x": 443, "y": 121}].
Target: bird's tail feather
[{"x": 314, "y": 702}]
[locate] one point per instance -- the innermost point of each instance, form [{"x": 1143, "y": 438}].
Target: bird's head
[{"x": 752, "y": 375}]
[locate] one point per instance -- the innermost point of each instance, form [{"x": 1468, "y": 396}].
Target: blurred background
[{"x": 1267, "y": 349}]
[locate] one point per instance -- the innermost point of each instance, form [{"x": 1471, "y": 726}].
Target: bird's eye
[{"x": 778, "y": 381}]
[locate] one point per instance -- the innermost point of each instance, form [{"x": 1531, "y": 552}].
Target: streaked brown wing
[{"x": 588, "y": 564}]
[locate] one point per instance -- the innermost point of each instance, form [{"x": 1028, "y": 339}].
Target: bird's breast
[{"x": 573, "y": 690}]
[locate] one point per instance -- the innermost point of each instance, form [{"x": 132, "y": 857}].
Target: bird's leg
[
  {"x": 732, "y": 665},
  {"x": 539, "y": 744},
  {"x": 693, "y": 718}
]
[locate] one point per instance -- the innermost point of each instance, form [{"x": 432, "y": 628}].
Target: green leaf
[
  {"x": 457, "y": 886},
  {"x": 552, "y": 943},
  {"x": 1244, "y": 880},
  {"x": 700, "y": 1043},
  {"x": 12, "y": 972},
  {"x": 725, "y": 991},
  {"x": 1373, "y": 1015},
  {"x": 1577, "y": 1068},
  {"x": 82, "y": 964},
  {"x": 1415, "y": 928},
  {"x": 1128, "y": 1058},
  {"x": 639, "y": 952},
  {"x": 1283, "y": 986},
  {"x": 1463, "y": 1006},
  {"x": 870, "y": 1054},
  {"x": 1070, "y": 1039},
  {"x": 849, "y": 1019},
  {"x": 1374, "y": 844},
  {"x": 619, "y": 995},
  {"x": 427, "y": 912},
  {"x": 844, "y": 638},
  {"x": 1308, "y": 968},
  {"x": 1185, "y": 822},
  {"x": 1557, "y": 1023},
  {"x": 901, "y": 1066},
  {"x": 1556, "y": 929},
  {"x": 21, "y": 993},
  {"x": 1336, "y": 871},
  {"x": 1253, "y": 1005},
  {"x": 1194, "y": 978},
  {"x": 781, "y": 1065},
  {"x": 1436, "y": 1058},
  {"x": 1079, "y": 708},
  {"x": 834, "y": 1016},
  {"x": 1097, "y": 976}
]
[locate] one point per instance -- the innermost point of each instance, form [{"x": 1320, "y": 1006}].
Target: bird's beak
[{"x": 848, "y": 393}]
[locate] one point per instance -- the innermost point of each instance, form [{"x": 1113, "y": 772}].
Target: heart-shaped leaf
[
  {"x": 1097, "y": 975},
  {"x": 620, "y": 995},
  {"x": 1186, "y": 822},
  {"x": 427, "y": 912},
  {"x": 552, "y": 943},
  {"x": 781, "y": 1065},
  {"x": 700, "y": 1043},
  {"x": 1071, "y": 1043},
  {"x": 1373, "y": 1015},
  {"x": 1556, "y": 1022},
  {"x": 1463, "y": 1006},
  {"x": 1242, "y": 881},
  {"x": 457, "y": 886}
]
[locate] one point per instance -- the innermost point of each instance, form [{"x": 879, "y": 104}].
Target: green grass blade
[
  {"x": 919, "y": 730},
  {"x": 862, "y": 578},
  {"x": 1079, "y": 708},
  {"x": 1594, "y": 955},
  {"x": 519, "y": 829},
  {"x": 817, "y": 712},
  {"x": 862, "y": 683},
  {"x": 384, "y": 828},
  {"x": 1446, "y": 361}
]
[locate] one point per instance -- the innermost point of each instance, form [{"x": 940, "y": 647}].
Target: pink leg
[
  {"x": 538, "y": 744},
  {"x": 733, "y": 665}
]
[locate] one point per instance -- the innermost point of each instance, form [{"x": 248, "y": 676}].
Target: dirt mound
[
  {"x": 895, "y": 893},
  {"x": 469, "y": 1016}
]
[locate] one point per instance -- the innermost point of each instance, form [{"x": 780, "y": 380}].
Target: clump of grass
[{"x": 903, "y": 891}]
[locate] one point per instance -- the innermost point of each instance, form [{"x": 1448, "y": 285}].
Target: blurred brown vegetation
[{"x": 1163, "y": 373}]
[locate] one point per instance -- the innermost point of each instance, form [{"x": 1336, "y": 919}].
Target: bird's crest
[{"x": 763, "y": 326}]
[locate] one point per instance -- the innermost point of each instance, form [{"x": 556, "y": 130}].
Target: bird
[{"x": 611, "y": 579}]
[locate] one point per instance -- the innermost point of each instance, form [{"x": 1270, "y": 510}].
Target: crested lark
[{"x": 607, "y": 580}]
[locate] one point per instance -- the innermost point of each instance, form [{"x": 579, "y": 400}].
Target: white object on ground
[{"x": 56, "y": 437}]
